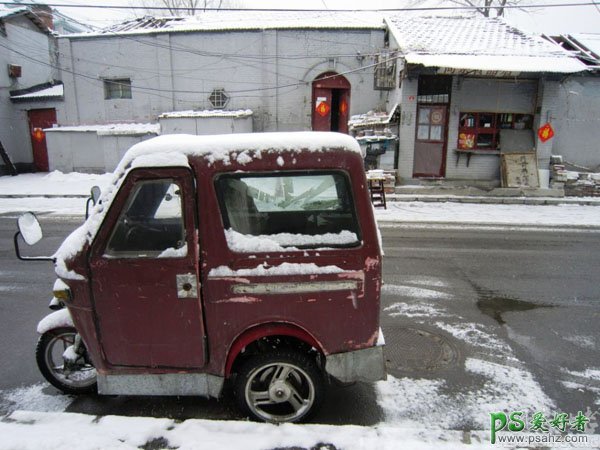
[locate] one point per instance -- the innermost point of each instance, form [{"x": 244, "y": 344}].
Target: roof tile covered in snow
[
  {"x": 51, "y": 92},
  {"x": 584, "y": 46},
  {"x": 477, "y": 43},
  {"x": 13, "y": 10},
  {"x": 249, "y": 20},
  {"x": 591, "y": 42}
]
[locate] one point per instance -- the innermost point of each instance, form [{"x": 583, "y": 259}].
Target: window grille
[
  {"x": 218, "y": 98},
  {"x": 385, "y": 71}
]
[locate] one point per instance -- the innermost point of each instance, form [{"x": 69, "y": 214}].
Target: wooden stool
[{"x": 377, "y": 192}]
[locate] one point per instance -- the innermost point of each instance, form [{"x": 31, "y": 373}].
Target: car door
[{"x": 144, "y": 268}]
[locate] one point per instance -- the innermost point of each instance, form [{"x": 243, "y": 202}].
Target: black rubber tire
[
  {"x": 303, "y": 365},
  {"x": 47, "y": 340}
]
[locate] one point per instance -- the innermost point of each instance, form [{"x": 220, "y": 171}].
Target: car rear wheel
[{"x": 282, "y": 386}]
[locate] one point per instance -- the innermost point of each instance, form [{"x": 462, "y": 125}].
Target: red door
[
  {"x": 331, "y": 103},
  {"x": 144, "y": 274},
  {"x": 430, "y": 142},
  {"x": 38, "y": 120}
]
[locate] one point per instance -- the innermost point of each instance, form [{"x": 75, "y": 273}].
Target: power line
[
  {"x": 185, "y": 91},
  {"x": 415, "y": 8}
]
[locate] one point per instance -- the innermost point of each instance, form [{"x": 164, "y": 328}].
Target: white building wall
[
  {"x": 86, "y": 151},
  {"x": 576, "y": 121},
  {"x": 205, "y": 125},
  {"x": 22, "y": 38},
  {"x": 247, "y": 64},
  {"x": 408, "y": 117},
  {"x": 547, "y": 103}
]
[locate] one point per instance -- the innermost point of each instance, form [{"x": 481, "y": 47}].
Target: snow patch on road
[
  {"x": 413, "y": 310},
  {"x": 591, "y": 374},
  {"x": 34, "y": 398},
  {"x": 5, "y": 288},
  {"x": 425, "y": 401},
  {"x": 582, "y": 341},
  {"x": 413, "y": 292},
  {"x": 474, "y": 334},
  {"x": 508, "y": 388}
]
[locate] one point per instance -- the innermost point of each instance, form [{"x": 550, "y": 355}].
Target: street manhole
[{"x": 413, "y": 349}]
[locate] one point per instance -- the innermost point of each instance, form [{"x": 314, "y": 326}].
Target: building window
[
  {"x": 434, "y": 89},
  {"x": 385, "y": 71},
  {"x": 218, "y": 98},
  {"x": 481, "y": 130},
  {"x": 116, "y": 88}
]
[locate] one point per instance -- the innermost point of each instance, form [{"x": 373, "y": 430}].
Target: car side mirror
[
  {"x": 29, "y": 227},
  {"x": 95, "y": 194},
  {"x": 93, "y": 199},
  {"x": 31, "y": 232}
]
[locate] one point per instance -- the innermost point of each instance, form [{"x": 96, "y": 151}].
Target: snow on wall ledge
[
  {"x": 113, "y": 129},
  {"x": 498, "y": 63}
]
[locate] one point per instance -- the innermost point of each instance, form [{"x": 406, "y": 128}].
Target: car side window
[
  {"x": 151, "y": 223},
  {"x": 287, "y": 210}
]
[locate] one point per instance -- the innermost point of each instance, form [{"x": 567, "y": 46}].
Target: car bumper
[{"x": 360, "y": 365}]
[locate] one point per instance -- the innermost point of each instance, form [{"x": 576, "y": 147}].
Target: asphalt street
[{"x": 523, "y": 299}]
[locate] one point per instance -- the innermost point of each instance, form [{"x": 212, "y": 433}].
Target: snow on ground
[
  {"x": 39, "y": 186},
  {"x": 419, "y": 413},
  {"x": 53, "y": 183},
  {"x": 34, "y": 398},
  {"x": 69, "y": 430},
  {"x": 451, "y": 212},
  {"x": 431, "y": 401}
]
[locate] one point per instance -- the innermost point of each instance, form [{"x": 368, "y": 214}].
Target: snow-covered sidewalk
[
  {"x": 64, "y": 194},
  {"x": 68, "y": 430}
]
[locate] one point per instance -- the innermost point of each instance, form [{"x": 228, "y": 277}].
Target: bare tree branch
[
  {"x": 184, "y": 7},
  {"x": 487, "y": 7}
]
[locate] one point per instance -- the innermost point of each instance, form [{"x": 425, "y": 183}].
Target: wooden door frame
[{"x": 444, "y": 140}]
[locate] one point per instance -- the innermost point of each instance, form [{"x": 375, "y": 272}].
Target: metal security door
[{"x": 38, "y": 120}]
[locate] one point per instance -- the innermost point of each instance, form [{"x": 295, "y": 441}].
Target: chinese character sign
[{"x": 545, "y": 132}]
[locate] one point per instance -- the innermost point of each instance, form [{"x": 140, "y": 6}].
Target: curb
[
  {"x": 583, "y": 201},
  {"x": 44, "y": 195},
  {"x": 489, "y": 226}
]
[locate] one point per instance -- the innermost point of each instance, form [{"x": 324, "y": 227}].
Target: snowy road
[{"x": 444, "y": 291}]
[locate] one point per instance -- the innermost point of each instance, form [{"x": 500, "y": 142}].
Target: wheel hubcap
[
  {"x": 78, "y": 374},
  {"x": 279, "y": 392}
]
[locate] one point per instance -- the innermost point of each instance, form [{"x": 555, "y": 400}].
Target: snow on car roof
[{"x": 242, "y": 148}]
